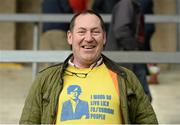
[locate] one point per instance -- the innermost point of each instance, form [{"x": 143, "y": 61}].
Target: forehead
[{"x": 87, "y": 20}]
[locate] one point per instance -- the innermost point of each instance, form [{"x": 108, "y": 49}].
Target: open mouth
[{"x": 88, "y": 46}]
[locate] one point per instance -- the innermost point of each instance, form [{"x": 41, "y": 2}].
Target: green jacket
[{"x": 42, "y": 101}]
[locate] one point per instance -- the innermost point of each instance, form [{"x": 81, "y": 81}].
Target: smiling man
[
  {"x": 87, "y": 88},
  {"x": 87, "y": 38}
]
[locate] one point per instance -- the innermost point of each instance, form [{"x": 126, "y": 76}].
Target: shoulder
[
  {"x": 127, "y": 71},
  {"x": 50, "y": 69},
  {"x": 131, "y": 79},
  {"x": 45, "y": 77},
  {"x": 124, "y": 2},
  {"x": 123, "y": 6}
]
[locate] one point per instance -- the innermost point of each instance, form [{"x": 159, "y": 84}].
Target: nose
[{"x": 88, "y": 36}]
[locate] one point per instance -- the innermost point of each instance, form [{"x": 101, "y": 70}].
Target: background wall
[
  {"x": 164, "y": 39},
  {"x": 24, "y": 31},
  {"x": 7, "y": 30}
]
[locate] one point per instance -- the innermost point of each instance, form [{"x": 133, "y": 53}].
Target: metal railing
[
  {"x": 38, "y": 18},
  {"x": 118, "y": 56},
  {"x": 35, "y": 56}
]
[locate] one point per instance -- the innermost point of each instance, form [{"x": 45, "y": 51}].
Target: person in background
[
  {"x": 147, "y": 8},
  {"x": 54, "y": 34},
  {"x": 113, "y": 93},
  {"x": 152, "y": 69},
  {"x": 126, "y": 33}
]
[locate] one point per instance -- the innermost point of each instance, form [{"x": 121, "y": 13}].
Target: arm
[
  {"x": 140, "y": 108},
  {"x": 32, "y": 109},
  {"x": 123, "y": 15}
]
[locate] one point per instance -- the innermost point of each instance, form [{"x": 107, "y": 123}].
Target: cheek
[
  {"x": 77, "y": 41},
  {"x": 101, "y": 41}
]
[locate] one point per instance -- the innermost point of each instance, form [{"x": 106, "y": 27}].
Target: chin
[
  {"x": 90, "y": 60},
  {"x": 89, "y": 56}
]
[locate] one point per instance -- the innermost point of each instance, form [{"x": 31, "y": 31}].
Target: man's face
[
  {"x": 74, "y": 95},
  {"x": 87, "y": 39}
]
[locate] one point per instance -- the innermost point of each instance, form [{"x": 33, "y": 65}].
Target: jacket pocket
[
  {"x": 130, "y": 93},
  {"x": 131, "y": 98},
  {"x": 46, "y": 99}
]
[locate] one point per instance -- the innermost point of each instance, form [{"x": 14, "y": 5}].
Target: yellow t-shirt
[{"x": 89, "y": 98}]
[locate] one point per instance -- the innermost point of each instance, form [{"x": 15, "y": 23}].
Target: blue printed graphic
[{"x": 81, "y": 108}]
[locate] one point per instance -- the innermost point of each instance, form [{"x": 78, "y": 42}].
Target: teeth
[{"x": 88, "y": 47}]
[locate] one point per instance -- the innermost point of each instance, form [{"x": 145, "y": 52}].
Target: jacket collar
[
  {"x": 95, "y": 64},
  {"x": 108, "y": 62},
  {"x": 114, "y": 66}
]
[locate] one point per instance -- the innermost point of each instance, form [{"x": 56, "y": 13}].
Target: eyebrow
[{"x": 85, "y": 28}]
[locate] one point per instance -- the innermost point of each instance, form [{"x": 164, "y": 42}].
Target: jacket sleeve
[
  {"x": 123, "y": 15},
  {"x": 31, "y": 113},
  {"x": 140, "y": 108}
]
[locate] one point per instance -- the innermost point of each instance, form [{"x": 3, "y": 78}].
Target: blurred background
[{"x": 16, "y": 78}]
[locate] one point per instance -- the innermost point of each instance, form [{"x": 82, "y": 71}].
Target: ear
[
  {"x": 69, "y": 37},
  {"x": 104, "y": 42}
]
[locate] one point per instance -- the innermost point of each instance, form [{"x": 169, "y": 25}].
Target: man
[
  {"x": 113, "y": 93},
  {"x": 74, "y": 108}
]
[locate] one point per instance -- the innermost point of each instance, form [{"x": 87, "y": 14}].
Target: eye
[
  {"x": 96, "y": 32},
  {"x": 81, "y": 32}
]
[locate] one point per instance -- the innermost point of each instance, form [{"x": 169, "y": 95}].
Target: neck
[
  {"x": 73, "y": 62},
  {"x": 82, "y": 65},
  {"x": 78, "y": 64}
]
